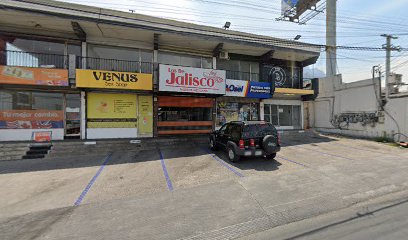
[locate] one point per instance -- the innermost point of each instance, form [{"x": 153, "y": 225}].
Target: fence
[
  {"x": 32, "y": 59},
  {"x": 114, "y": 65}
]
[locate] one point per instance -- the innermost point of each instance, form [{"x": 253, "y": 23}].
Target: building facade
[{"x": 85, "y": 74}]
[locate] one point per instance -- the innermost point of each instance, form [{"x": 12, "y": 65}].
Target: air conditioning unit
[{"x": 223, "y": 55}]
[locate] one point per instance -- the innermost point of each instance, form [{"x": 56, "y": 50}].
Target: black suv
[{"x": 246, "y": 138}]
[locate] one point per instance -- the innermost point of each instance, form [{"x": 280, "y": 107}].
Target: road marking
[
  {"x": 223, "y": 163},
  {"x": 286, "y": 159},
  {"x": 166, "y": 174},
  {"x": 88, "y": 187}
]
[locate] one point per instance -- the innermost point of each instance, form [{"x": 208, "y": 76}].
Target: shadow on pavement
[
  {"x": 299, "y": 138},
  {"x": 178, "y": 150},
  {"x": 250, "y": 163},
  {"x": 96, "y": 160}
]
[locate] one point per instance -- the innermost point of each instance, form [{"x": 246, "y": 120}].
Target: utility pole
[
  {"x": 388, "y": 48},
  {"x": 331, "y": 43}
]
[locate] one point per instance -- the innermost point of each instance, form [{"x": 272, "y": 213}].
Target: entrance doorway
[{"x": 72, "y": 115}]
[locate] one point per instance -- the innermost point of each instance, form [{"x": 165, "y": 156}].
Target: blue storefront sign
[{"x": 239, "y": 88}]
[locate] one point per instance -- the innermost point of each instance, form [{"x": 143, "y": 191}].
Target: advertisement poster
[
  {"x": 145, "y": 115},
  {"x": 31, "y": 119},
  {"x": 239, "y": 88},
  {"x": 109, "y": 110},
  {"x": 113, "y": 80},
  {"x": 191, "y": 80},
  {"x": 33, "y": 76},
  {"x": 42, "y": 136},
  {"x": 232, "y": 111}
]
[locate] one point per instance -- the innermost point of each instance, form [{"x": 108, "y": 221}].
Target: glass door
[{"x": 72, "y": 115}]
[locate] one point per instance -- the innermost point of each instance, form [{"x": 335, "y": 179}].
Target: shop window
[
  {"x": 233, "y": 111},
  {"x": 284, "y": 76},
  {"x": 283, "y": 115},
  {"x": 119, "y": 59},
  {"x": 274, "y": 115},
  {"x": 184, "y": 60},
  {"x": 184, "y": 114},
  {"x": 31, "y": 110},
  {"x": 35, "y": 53},
  {"x": 11, "y": 100},
  {"x": 239, "y": 70},
  {"x": 296, "y": 116}
]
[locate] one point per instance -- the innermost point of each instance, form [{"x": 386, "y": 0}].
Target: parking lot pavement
[
  {"x": 192, "y": 186},
  {"x": 40, "y": 184},
  {"x": 127, "y": 174}
]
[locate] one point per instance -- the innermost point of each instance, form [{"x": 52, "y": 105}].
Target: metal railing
[
  {"x": 33, "y": 59},
  {"x": 114, "y": 65},
  {"x": 237, "y": 75}
]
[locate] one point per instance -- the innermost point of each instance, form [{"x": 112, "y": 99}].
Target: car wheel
[
  {"x": 271, "y": 156},
  {"x": 232, "y": 156},
  {"x": 212, "y": 144}
]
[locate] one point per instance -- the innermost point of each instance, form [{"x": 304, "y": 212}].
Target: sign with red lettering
[
  {"x": 191, "y": 80},
  {"x": 42, "y": 136}
]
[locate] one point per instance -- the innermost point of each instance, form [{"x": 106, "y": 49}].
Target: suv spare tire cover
[{"x": 269, "y": 143}]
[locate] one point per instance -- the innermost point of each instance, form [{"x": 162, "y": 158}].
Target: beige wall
[{"x": 336, "y": 97}]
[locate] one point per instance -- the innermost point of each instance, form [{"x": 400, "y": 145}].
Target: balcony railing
[
  {"x": 32, "y": 59},
  {"x": 237, "y": 75},
  {"x": 114, "y": 65}
]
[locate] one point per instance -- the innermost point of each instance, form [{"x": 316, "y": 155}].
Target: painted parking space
[
  {"x": 191, "y": 165},
  {"x": 129, "y": 174}
]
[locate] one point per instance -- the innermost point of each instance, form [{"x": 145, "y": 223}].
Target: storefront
[
  {"x": 284, "y": 114},
  {"x": 187, "y": 99},
  {"x": 241, "y": 101},
  {"x": 118, "y": 104},
  {"x": 34, "y": 100}
]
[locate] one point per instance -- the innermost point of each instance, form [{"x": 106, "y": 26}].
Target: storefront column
[
  {"x": 155, "y": 91},
  {"x": 84, "y": 54},
  {"x": 83, "y": 115},
  {"x": 214, "y": 62}
]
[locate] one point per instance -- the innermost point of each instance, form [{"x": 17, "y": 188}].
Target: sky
[{"x": 359, "y": 23}]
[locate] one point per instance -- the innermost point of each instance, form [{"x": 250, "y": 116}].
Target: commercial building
[{"x": 76, "y": 71}]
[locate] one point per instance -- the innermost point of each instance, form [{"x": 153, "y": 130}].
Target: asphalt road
[{"x": 383, "y": 221}]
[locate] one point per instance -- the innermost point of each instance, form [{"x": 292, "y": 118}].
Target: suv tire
[
  {"x": 232, "y": 156},
  {"x": 271, "y": 156}
]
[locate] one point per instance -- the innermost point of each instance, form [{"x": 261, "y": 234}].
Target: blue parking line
[
  {"x": 88, "y": 187},
  {"x": 223, "y": 163},
  {"x": 166, "y": 174},
  {"x": 286, "y": 159}
]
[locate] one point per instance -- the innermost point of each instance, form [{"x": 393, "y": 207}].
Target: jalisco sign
[
  {"x": 33, "y": 76},
  {"x": 238, "y": 88},
  {"x": 191, "y": 80},
  {"x": 114, "y": 80}
]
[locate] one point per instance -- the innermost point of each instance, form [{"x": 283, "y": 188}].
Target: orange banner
[
  {"x": 31, "y": 119},
  {"x": 33, "y": 76},
  {"x": 32, "y": 115}
]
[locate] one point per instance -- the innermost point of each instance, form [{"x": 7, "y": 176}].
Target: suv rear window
[{"x": 258, "y": 130}]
